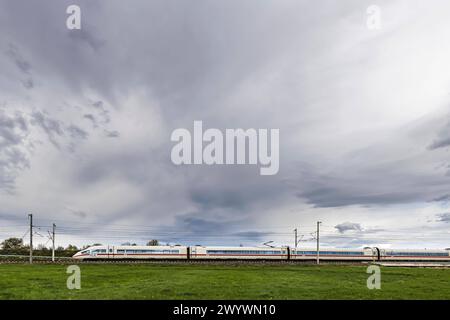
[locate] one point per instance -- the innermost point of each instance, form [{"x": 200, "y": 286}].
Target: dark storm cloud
[
  {"x": 345, "y": 190},
  {"x": 209, "y": 199},
  {"x": 280, "y": 64},
  {"x": 380, "y": 174},
  {"x": 191, "y": 223}
]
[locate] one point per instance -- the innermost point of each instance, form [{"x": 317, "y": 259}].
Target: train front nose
[{"x": 76, "y": 255}]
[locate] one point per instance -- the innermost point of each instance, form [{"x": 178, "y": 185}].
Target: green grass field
[{"x": 116, "y": 281}]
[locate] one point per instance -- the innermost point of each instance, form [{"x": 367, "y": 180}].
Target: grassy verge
[{"x": 113, "y": 281}]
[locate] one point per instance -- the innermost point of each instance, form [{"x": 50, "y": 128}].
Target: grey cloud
[
  {"x": 13, "y": 155},
  {"x": 52, "y": 127},
  {"x": 80, "y": 214},
  {"x": 243, "y": 64},
  {"x": 76, "y": 132},
  {"x": 341, "y": 190},
  {"x": 443, "y": 138},
  {"x": 445, "y": 197},
  {"x": 224, "y": 199},
  {"x": 442, "y": 143},
  {"x": 348, "y": 226},
  {"x": 85, "y": 36},
  {"x": 22, "y": 64},
  {"x": 253, "y": 235},
  {"x": 92, "y": 119},
  {"x": 14, "y": 54},
  {"x": 57, "y": 132},
  {"x": 102, "y": 111},
  {"x": 378, "y": 174},
  {"x": 112, "y": 134},
  {"x": 28, "y": 83},
  {"x": 192, "y": 223},
  {"x": 11, "y": 129},
  {"x": 443, "y": 217}
]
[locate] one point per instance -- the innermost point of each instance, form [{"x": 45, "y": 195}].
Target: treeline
[{"x": 15, "y": 246}]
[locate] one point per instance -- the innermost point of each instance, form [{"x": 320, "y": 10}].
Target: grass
[{"x": 184, "y": 281}]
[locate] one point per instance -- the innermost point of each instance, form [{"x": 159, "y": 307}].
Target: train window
[
  {"x": 121, "y": 251},
  {"x": 338, "y": 253},
  {"x": 420, "y": 254},
  {"x": 244, "y": 252}
]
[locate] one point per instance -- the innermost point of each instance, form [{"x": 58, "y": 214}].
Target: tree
[
  {"x": 129, "y": 244},
  {"x": 153, "y": 242},
  {"x": 12, "y": 244},
  {"x": 42, "y": 247},
  {"x": 72, "y": 248}
]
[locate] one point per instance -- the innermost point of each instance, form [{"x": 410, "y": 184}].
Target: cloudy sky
[{"x": 364, "y": 118}]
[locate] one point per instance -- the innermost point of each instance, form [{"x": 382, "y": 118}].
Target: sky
[{"x": 363, "y": 115}]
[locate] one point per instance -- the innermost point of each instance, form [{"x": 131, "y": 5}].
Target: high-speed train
[{"x": 257, "y": 253}]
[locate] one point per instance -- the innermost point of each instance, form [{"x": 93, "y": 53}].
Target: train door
[
  {"x": 376, "y": 254},
  {"x": 285, "y": 253},
  {"x": 382, "y": 254},
  {"x": 110, "y": 252}
]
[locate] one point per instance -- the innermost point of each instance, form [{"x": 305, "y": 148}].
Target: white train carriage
[
  {"x": 366, "y": 254},
  {"x": 239, "y": 253},
  {"x": 414, "y": 255},
  {"x": 132, "y": 252}
]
